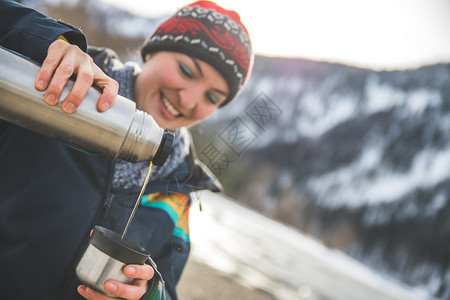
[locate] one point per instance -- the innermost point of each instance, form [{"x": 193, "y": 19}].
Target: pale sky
[{"x": 368, "y": 33}]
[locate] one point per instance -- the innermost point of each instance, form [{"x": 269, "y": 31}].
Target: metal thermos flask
[{"x": 122, "y": 131}]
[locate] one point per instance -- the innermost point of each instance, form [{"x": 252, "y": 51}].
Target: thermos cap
[
  {"x": 164, "y": 148},
  {"x": 112, "y": 244}
]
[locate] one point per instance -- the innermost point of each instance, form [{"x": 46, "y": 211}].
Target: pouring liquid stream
[{"x": 150, "y": 169}]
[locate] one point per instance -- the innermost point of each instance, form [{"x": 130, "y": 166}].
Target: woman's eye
[
  {"x": 186, "y": 70},
  {"x": 212, "y": 98}
]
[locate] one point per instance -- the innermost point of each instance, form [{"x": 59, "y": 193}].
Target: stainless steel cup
[{"x": 105, "y": 258}]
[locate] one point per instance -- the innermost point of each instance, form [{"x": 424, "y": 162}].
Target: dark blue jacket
[
  {"x": 52, "y": 195},
  {"x": 29, "y": 32}
]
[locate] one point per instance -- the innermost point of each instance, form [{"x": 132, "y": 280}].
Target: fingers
[
  {"x": 87, "y": 74},
  {"x": 110, "y": 90},
  {"x": 82, "y": 83},
  {"x": 126, "y": 291},
  {"x": 144, "y": 272},
  {"x": 64, "y": 60},
  {"x": 51, "y": 62},
  {"x": 90, "y": 294},
  {"x": 49, "y": 66},
  {"x": 117, "y": 289}
]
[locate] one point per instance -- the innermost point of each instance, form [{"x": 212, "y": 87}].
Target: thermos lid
[
  {"x": 112, "y": 244},
  {"x": 164, "y": 148}
]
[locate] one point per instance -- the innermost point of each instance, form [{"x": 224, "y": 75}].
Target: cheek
[
  {"x": 152, "y": 81},
  {"x": 204, "y": 112},
  {"x": 143, "y": 86},
  {"x": 168, "y": 77}
]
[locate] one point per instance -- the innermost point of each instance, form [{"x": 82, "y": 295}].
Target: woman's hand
[
  {"x": 125, "y": 291},
  {"x": 64, "y": 60}
]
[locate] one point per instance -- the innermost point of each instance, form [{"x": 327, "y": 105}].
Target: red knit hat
[{"x": 208, "y": 32}]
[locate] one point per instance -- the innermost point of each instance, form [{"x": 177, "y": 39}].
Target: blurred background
[{"x": 341, "y": 138}]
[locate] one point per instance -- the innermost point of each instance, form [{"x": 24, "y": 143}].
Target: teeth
[{"x": 169, "y": 107}]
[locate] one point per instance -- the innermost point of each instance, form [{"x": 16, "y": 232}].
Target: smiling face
[{"x": 178, "y": 90}]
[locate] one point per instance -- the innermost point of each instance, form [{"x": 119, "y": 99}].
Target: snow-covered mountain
[{"x": 359, "y": 158}]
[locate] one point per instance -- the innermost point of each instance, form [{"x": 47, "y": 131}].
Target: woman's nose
[{"x": 189, "y": 97}]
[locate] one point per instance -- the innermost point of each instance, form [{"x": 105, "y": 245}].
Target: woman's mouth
[{"x": 169, "y": 107}]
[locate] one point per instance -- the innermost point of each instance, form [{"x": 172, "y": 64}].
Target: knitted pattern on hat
[{"x": 208, "y": 32}]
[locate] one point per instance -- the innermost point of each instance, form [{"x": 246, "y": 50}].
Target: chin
[
  {"x": 164, "y": 124},
  {"x": 161, "y": 123}
]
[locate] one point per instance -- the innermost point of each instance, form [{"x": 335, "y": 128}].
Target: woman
[{"x": 194, "y": 63}]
